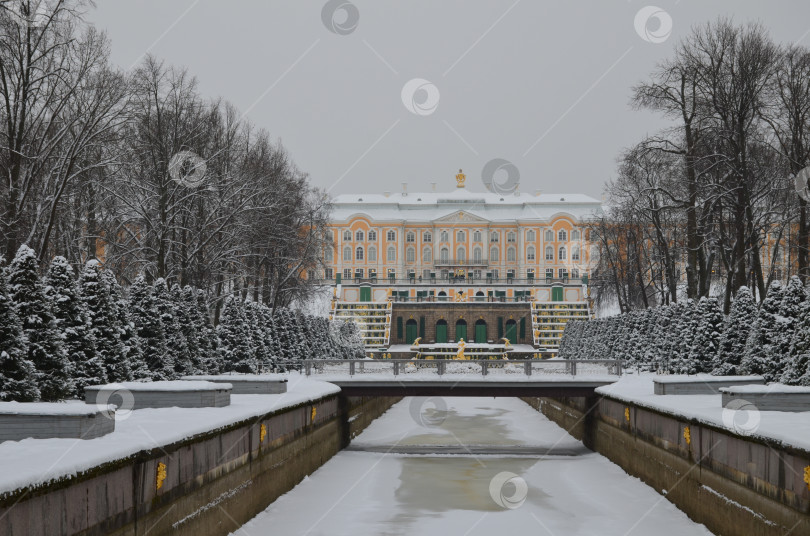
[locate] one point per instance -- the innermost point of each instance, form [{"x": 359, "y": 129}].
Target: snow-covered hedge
[
  {"x": 772, "y": 340},
  {"x": 60, "y": 333}
]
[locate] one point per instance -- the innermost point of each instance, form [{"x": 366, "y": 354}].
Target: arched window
[
  {"x": 477, "y": 236},
  {"x": 410, "y": 238},
  {"x": 391, "y": 236},
  {"x": 392, "y": 254},
  {"x": 358, "y": 253},
  {"x": 359, "y": 236},
  {"x": 372, "y": 235},
  {"x": 328, "y": 254},
  {"x": 427, "y": 237},
  {"x": 410, "y": 255},
  {"x": 427, "y": 255},
  {"x": 347, "y": 253},
  {"x": 561, "y": 253},
  {"x": 460, "y": 236},
  {"x": 494, "y": 237},
  {"x": 445, "y": 254},
  {"x": 530, "y": 253},
  {"x": 477, "y": 255},
  {"x": 510, "y": 255},
  {"x": 549, "y": 253},
  {"x": 493, "y": 254},
  {"x": 549, "y": 236},
  {"x": 575, "y": 234},
  {"x": 372, "y": 253},
  {"x": 511, "y": 237},
  {"x": 575, "y": 253},
  {"x": 444, "y": 236},
  {"x": 461, "y": 254},
  {"x": 562, "y": 236},
  {"x": 530, "y": 236},
  {"x": 347, "y": 236}
]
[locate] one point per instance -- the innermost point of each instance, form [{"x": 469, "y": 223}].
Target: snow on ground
[
  {"x": 790, "y": 428},
  {"x": 464, "y": 421},
  {"x": 34, "y": 461},
  {"x": 370, "y": 493}
]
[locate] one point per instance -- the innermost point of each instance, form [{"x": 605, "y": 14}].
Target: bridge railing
[{"x": 446, "y": 367}]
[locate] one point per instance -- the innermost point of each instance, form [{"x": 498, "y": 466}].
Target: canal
[{"x": 469, "y": 466}]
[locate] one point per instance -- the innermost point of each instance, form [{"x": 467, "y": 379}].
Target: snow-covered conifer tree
[
  {"x": 736, "y": 329},
  {"x": 234, "y": 339},
  {"x": 72, "y": 322},
  {"x": 707, "y": 337},
  {"x": 144, "y": 314},
  {"x": 186, "y": 318},
  {"x": 789, "y": 314},
  {"x": 764, "y": 335},
  {"x": 45, "y": 349},
  {"x": 209, "y": 334},
  {"x": 105, "y": 325},
  {"x": 797, "y": 364},
  {"x": 176, "y": 348},
  {"x": 131, "y": 343},
  {"x": 18, "y": 376}
]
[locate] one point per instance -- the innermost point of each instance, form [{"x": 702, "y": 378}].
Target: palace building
[{"x": 442, "y": 266}]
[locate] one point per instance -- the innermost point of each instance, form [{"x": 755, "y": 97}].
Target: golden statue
[
  {"x": 506, "y": 343},
  {"x": 460, "y": 354},
  {"x": 416, "y": 342},
  {"x": 460, "y": 178}
]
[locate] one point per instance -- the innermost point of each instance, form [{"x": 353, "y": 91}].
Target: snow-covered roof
[{"x": 429, "y": 206}]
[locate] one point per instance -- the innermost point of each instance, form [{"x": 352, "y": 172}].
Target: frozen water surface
[{"x": 374, "y": 489}]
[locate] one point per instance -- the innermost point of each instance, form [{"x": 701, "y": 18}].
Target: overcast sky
[{"x": 544, "y": 85}]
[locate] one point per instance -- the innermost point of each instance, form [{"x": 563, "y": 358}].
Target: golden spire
[{"x": 460, "y": 178}]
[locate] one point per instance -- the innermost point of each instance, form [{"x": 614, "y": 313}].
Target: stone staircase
[
  {"x": 549, "y": 319},
  {"x": 373, "y": 319}
]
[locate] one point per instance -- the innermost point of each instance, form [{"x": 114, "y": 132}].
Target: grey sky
[{"x": 544, "y": 85}]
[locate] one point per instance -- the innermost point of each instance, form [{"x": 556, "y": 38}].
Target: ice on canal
[{"x": 487, "y": 478}]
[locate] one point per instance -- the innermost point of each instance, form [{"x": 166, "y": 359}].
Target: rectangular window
[
  {"x": 347, "y": 273},
  {"x": 563, "y": 273},
  {"x": 328, "y": 273},
  {"x": 574, "y": 273},
  {"x": 549, "y": 273}
]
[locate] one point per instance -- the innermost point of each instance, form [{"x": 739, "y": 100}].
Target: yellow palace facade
[{"x": 483, "y": 251}]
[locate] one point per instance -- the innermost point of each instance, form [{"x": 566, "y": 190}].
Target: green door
[
  {"x": 410, "y": 331},
  {"x": 556, "y": 294},
  {"x": 481, "y": 331},
  {"x": 461, "y": 330},
  {"x": 511, "y": 331},
  {"x": 441, "y": 331},
  {"x": 365, "y": 294}
]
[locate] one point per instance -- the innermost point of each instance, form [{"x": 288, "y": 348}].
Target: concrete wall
[
  {"x": 735, "y": 485},
  {"x": 213, "y": 482}
]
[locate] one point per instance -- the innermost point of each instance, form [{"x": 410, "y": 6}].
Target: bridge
[{"x": 475, "y": 377}]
